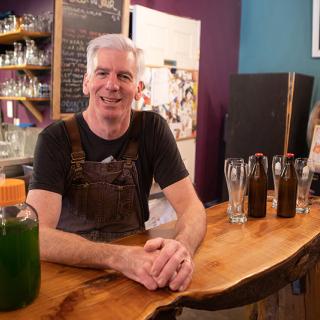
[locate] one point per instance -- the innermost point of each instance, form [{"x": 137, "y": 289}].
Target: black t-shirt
[{"x": 158, "y": 156}]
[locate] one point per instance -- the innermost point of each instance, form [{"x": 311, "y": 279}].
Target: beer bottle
[
  {"x": 287, "y": 194},
  {"x": 258, "y": 187}
]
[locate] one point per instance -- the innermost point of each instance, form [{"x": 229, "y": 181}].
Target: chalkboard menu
[{"x": 81, "y": 21}]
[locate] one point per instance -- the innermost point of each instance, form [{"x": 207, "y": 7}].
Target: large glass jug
[{"x": 19, "y": 247}]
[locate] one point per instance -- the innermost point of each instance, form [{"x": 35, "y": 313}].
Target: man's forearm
[
  {"x": 71, "y": 249},
  {"x": 191, "y": 227}
]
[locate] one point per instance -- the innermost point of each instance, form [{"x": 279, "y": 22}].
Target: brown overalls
[{"x": 103, "y": 201}]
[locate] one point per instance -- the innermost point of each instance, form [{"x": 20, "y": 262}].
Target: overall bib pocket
[{"x": 109, "y": 203}]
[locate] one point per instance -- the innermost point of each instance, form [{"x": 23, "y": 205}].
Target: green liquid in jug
[{"x": 19, "y": 263}]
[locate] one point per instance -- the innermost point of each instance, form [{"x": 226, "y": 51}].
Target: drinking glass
[
  {"x": 16, "y": 138},
  {"x": 4, "y": 151},
  {"x": 28, "y": 22},
  {"x": 237, "y": 177},
  {"x": 305, "y": 170},
  {"x": 227, "y": 162},
  {"x": 277, "y": 165},
  {"x": 252, "y": 160}
]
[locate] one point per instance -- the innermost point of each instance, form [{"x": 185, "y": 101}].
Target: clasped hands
[{"x": 172, "y": 265}]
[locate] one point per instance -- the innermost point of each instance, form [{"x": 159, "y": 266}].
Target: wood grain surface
[{"x": 236, "y": 265}]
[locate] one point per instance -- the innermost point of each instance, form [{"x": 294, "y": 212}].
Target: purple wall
[
  {"x": 220, "y": 36},
  {"x": 219, "y": 49},
  {"x": 20, "y": 7}
]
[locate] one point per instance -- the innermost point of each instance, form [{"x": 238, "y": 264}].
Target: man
[{"x": 93, "y": 173}]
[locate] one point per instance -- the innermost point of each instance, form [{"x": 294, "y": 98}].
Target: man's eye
[
  {"x": 101, "y": 73},
  {"x": 124, "y": 77}
]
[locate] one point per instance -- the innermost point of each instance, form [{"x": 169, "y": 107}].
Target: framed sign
[
  {"x": 76, "y": 23},
  {"x": 315, "y": 148},
  {"x": 316, "y": 29}
]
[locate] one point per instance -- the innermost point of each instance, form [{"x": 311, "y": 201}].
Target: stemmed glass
[{"x": 237, "y": 177}]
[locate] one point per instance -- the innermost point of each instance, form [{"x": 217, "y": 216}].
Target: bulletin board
[{"x": 172, "y": 93}]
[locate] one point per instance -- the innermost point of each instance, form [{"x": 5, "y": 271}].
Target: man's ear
[
  {"x": 85, "y": 85},
  {"x": 138, "y": 93}
]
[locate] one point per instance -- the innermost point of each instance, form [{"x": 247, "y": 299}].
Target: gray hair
[{"x": 115, "y": 42}]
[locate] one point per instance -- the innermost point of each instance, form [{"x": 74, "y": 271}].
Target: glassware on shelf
[
  {"x": 44, "y": 90},
  {"x": 2, "y": 26},
  {"x": 41, "y": 58},
  {"x": 2, "y": 60},
  {"x": 23, "y": 81},
  {"x": 17, "y": 53},
  {"x": 35, "y": 87},
  {"x": 17, "y": 46},
  {"x": 28, "y": 22},
  {"x": 9, "y": 24},
  {"x": 4, "y": 149},
  {"x": 30, "y": 52},
  {"x": 24, "y": 87},
  {"x": 16, "y": 138},
  {"x": 30, "y": 55},
  {"x": 47, "y": 20},
  {"x": 8, "y": 58},
  {"x": 20, "y": 58}
]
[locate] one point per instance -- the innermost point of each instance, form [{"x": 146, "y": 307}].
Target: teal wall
[{"x": 276, "y": 36}]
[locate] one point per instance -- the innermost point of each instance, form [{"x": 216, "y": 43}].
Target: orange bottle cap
[
  {"x": 259, "y": 154},
  {"x": 12, "y": 191},
  {"x": 290, "y": 155}
]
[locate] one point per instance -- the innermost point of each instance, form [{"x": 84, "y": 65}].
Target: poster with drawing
[
  {"x": 315, "y": 148},
  {"x": 173, "y": 94}
]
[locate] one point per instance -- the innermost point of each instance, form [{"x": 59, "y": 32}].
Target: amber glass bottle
[
  {"x": 258, "y": 187},
  {"x": 287, "y": 194}
]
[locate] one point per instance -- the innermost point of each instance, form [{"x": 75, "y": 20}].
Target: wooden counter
[
  {"x": 236, "y": 265},
  {"x": 14, "y": 161}
]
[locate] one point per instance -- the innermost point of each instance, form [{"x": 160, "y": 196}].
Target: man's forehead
[
  {"x": 106, "y": 56},
  {"x": 112, "y": 52}
]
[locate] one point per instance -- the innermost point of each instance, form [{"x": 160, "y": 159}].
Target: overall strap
[
  {"x": 130, "y": 151},
  {"x": 77, "y": 154}
]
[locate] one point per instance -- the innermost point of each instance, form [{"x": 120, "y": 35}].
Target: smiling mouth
[{"x": 110, "y": 100}]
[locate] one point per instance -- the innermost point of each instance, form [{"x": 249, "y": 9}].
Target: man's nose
[{"x": 112, "y": 82}]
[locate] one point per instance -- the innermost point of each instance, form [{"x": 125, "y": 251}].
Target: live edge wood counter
[{"x": 236, "y": 265}]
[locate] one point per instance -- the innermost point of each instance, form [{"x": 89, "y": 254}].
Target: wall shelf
[
  {"x": 23, "y": 98},
  {"x": 10, "y": 37},
  {"x": 27, "y": 69},
  {"x": 28, "y": 103}
]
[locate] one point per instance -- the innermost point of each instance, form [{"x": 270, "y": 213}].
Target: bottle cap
[
  {"x": 258, "y": 154},
  {"x": 290, "y": 155},
  {"x": 12, "y": 191}
]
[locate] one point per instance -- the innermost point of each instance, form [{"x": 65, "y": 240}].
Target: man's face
[{"x": 113, "y": 84}]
